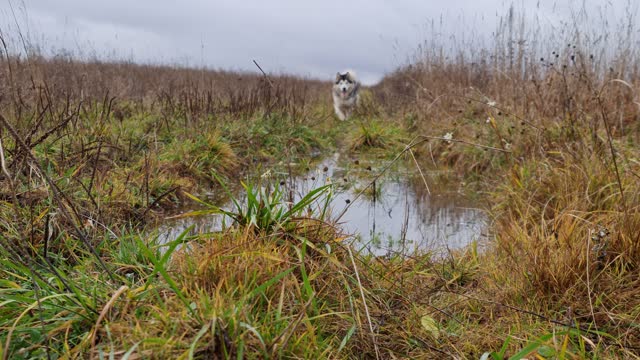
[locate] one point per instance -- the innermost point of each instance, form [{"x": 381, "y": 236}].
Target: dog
[{"x": 346, "y": 94}]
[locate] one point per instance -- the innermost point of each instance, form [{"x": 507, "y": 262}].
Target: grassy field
[{"x": 92, "y": 152}]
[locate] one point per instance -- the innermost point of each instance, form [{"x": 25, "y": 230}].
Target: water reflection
[{"x": 394, "y": 215}]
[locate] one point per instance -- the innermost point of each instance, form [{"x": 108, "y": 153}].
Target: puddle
[{"x": 396, "y": 215}]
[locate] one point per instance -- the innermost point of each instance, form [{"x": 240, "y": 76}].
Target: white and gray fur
[{"x": 346, "y": 94}]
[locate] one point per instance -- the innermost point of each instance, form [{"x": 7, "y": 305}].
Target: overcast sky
[{"x": 311, "y": 38}]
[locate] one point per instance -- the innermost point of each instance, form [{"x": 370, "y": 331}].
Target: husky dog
[{"x": 345, "y": 94}]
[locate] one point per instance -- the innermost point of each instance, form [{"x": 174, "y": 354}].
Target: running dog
[{"x": 346, "y": 94}]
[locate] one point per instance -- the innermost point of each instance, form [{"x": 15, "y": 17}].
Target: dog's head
[{"x": 345, "y": 83}]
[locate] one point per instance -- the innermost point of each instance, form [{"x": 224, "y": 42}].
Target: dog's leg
[
  {"x": 339, "y": 112},
  {"x": 347, "y": 113}
]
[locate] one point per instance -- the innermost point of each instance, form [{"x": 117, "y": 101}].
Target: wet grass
[
  {"x": 550, "y": 149},
  {"x": 553, "y": 154},
  {"x": 376, "y": 135},
  {"x": 557, "y": 279}
]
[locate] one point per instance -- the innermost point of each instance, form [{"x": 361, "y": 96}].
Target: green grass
[
  {"x": 557, "y": 279},
  {"x": 236, "y": 292},
  {"x": 265, "y": 209},
  {"x": 375, "y": 134},
  {"x": 278, "y": 282}
]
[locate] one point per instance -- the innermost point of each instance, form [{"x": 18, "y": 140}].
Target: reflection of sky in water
[{"x": 399, "y": 220}]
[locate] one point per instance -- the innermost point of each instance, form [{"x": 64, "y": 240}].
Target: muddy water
[{"x": 393, "y": 214}]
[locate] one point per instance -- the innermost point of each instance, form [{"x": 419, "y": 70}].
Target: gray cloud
[{"x": 307, "y": 38}]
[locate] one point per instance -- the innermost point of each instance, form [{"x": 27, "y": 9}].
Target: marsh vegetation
[{"x": 543, "y": 132}]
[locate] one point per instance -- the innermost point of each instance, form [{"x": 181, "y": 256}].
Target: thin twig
[
  {"x": 285, "y": 335},
  {"x": 593, "y": 316},
  {"x": 364, "y": 301},
  {"x": 417, "y": 140},
  {"x": 11, "y": 184},
  {"x": 424, "y": 180},
  {"x": 57, "y": 195},
  {"x": 103, "y": 314},
  {"x": 264, "y": 73},
  {"x": 95, "y": 167},
  {"x": 157, "y": 200},
  {"x": 614, "y": 157},
  {"x": 474, "y": 100},
  {"x": 36, "y": 292}
]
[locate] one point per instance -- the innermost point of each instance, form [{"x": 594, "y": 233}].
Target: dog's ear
[
  {"x": 338, "y": 76},
  {"x": 350, "y": 77}
]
